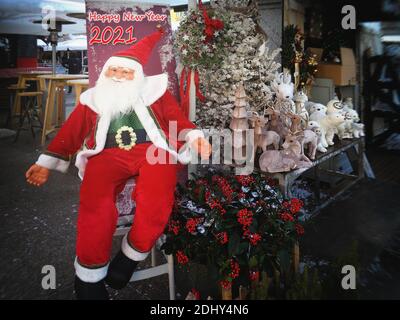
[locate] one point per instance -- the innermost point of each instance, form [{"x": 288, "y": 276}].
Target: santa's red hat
[{"x": 138, "y": 54}]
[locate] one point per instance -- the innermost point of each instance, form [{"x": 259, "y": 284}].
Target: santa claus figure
[{"x": 121, "y": 128}]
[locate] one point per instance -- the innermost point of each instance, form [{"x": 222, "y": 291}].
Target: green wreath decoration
[{"x": 202, "y": 39}]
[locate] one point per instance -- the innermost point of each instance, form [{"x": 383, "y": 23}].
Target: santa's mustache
[{"x": 119, "y": 79}]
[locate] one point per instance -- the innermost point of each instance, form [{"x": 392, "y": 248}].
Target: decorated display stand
[
  {"x": 353, "y": 147},
  {"x": 230, "y": 222}
]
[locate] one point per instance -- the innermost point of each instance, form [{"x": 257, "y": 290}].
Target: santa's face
[
  {"x": 119, "y": 74},
  {"x": 117, "y": 90}
]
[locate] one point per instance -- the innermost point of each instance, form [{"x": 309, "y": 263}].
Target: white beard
[{"x": 114, "y": 98}]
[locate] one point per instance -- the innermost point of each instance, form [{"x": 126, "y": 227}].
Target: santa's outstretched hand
[
  {"x": 37, "y": 175},
  {"x": 203, "y": 148}
]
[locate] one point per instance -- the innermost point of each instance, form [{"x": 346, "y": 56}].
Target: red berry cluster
[
  {"x": 235, "y": 269},
  {"x": 181, "y": 257},
  {"x": 245, "y": 217},
  {"x": 294, "y": 205},
  {"x": 244, "y": 180},
  {"x": 285, "y": 216},
  {"x": 241, "y": 195},
  {"x": 191, "y": 224},
  {"x": 254, "y": 238},
  {"x": 226, "y": 189},
  {"x": 254, "y": 275},
  {"x": 214, "y": 204},
  {"x": 174, "y": 227},
  {"x": 226, "y": 284},
  {"x": 222, "y": 237}
]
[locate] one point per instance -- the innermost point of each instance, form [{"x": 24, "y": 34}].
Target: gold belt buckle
[{"x": 132, "y": 136}]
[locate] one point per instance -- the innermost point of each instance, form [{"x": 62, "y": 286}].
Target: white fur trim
[
  {"x": 183, "y": 155},
  {"x": 52, "y": 163},
  {"x": 86, "y": 98},
  {"x": 90, "y": 275},
  {"x": 154, "y": 87},
  {"x": 101, "y": 135},
  {"x": 132, "y": 253}
]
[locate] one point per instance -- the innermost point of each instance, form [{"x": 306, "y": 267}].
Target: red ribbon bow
[{"x": 211, "y": 24}]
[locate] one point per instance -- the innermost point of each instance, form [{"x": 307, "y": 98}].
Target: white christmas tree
[{"x": 248, "y": 61}]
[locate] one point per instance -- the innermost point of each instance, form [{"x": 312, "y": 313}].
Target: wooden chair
[{"x": 126, "y": 208}]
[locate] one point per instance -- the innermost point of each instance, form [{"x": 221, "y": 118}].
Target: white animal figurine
[
  {"x": 345, "y": 129},
  {"x": 320, "y": 147},
  {"x": 329, "y": 125},
  {"x": 333, "y": 106},
  {"x": 283, "y": 88},
  {"x": 317, "y": 112},
  {"x": 316, "y": 127},
  {"x": 308, "y": 105},
  {"x": 357, "y": 130},
  {"x": 310, "y": 141},
  {"x": 317, "y": 107},
  {"x": 300, "y": 98},
  {"x": 313, "y": 124}
]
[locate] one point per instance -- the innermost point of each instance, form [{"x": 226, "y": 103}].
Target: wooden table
[
  {"x": 55, "y": 91},
  {"x": 79, "y": 86}
]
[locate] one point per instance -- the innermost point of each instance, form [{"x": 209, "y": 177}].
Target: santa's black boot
[
  {"x": 90, "y": 291},
  {"x": 120, "y": 271}
]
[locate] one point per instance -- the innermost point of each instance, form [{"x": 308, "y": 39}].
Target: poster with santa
[{"x": 114, "y": 25}]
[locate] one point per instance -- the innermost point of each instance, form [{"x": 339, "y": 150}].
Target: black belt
[{"x": 111, "y": 141}]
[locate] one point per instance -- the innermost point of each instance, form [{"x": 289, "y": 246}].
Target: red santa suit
[{"x": 105, "y": 170}]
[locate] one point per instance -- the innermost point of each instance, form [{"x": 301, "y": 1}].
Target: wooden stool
[
  {"x": 15, "y": 107},
  {"x": 80, "y": 85},
  {"x": 54, "y": 102},
  {"x": 29, "y": 110}
]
